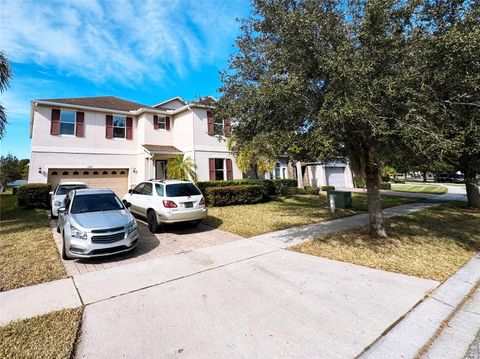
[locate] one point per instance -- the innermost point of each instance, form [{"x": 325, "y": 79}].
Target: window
[
  {"x": 86, "y": 173},
  {"x": 138, "y": 189},
  {"x": 95, "y": 203},
  {"x": 75, "y": 173},
  {"x": 95, "y": 172},
  {"x": 64, "y": 173},
  {"x": 162, "y": 123},
  {"x": 219, "y": 169},
  {"x": 218, "y": 126},
  {"x": 147, "y": 189},
  {"x": 104, "y": 173},
  {"x": 182, "y": 189},
  {"x": 159, "y": 189},
  {"x": 67, "y": 122},
  {"x": 64, "y": 189},
  {"x": 114, "y": 172},
  {"x": 122, "y": 172},
  {"x": 54, "y": 173},
  {"x": 277, "y": 170},
  {"x": 119, "y": 127}
]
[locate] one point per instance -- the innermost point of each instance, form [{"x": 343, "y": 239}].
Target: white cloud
[{"x": 119, "y": 40}]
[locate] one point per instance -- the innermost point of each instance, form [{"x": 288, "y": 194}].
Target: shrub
[
  {"x": 328, "y": 188},
  {"x": 268, "y": 186},
  {"x": 230, "y": 195},
  {"x": 312, "y": 190},
  {"x": 358, "y": 182},
  {"x": 398, "y": 180},
  {"x": 34, "y": 195},
  {"x": 385, "y": 185},
  {"x": 281, "y": 183},
  {"x": 290, "y": 191},
  {"x": 386, "y": 178}
]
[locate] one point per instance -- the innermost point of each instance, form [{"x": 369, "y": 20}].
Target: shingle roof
[
  {"x": 107, "y": 102},
  {"x": 159, "y": 148}
]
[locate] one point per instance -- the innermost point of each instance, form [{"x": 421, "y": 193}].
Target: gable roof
[
  {"x": 176, "y": 98},
  {"x": 107, "y": 102}
]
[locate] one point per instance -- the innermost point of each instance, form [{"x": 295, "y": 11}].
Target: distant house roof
[
  {"x": 107, "y": 102},
  {"x": 162, "y": 149}
]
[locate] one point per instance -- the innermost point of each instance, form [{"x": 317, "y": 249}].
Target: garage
[
  {"x": 114, "y": 178},
  {"x": 335, "y": 176}
]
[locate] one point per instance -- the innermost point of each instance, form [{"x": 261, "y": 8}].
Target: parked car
[
  {"x": 452, "y": 177},
  {"x": 57, "y": 196},
  {"x": 94, "y": 223},
  {"x": 167, "y": 201},
  {"x": 444, "y": 177},
  {"x": 458, "y": 177}
]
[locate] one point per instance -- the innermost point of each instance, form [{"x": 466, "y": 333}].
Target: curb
[{"x": 414, "y": 334}]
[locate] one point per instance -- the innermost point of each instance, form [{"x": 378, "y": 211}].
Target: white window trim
[
  {"x": 164, "y": 123},
  {"x": 74, "y": 124},
  {"x": 124, "y": 127}
]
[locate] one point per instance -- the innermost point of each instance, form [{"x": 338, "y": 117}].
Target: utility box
[{"x": 339, "y": 199}]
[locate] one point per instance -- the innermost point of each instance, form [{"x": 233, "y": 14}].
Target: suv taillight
[
  {"x": 202, "y": 201},
  {"x": 169, "y": 204}
]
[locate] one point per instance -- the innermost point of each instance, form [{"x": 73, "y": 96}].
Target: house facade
[{"x": 114, "y": 143}]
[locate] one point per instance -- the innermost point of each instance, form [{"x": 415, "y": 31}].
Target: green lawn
[
  {"x": 286, "y": 211},
  {"x": 28, "y": 254},
  {"x": 433, "y": 243},
  {"x": 420, "y": 188},
  {"x": 50, "y": 336}
]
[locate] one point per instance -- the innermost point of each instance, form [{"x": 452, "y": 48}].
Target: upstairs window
[
  {"x": 67, "y": 122},
  {"x": 218, "y": 127},
  {"x": 162, "y": 123},
  {"x": 119, "y": 127}
]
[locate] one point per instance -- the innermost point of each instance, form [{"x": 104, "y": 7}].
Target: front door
[{"x": 160, "y": 169}]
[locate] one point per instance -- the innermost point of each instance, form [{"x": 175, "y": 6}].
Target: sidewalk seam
[{"x": 78, "y": 292}]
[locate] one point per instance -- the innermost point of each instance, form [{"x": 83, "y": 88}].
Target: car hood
[{"x": 102, "y": 220}]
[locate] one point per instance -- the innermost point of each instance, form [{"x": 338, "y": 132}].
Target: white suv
[{"x": 167, "y": 201}]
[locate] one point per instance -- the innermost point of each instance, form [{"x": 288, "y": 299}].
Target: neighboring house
[
  {"x": 114, "y": 143},
  {"x": 318, "y": 174}
]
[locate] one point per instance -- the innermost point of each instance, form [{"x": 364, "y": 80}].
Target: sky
[{"x": 145, "y": 51}]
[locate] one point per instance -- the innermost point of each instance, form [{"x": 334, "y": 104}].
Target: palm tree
[
  {"x": 181, "y": 168},
  {"x": 5, "y": 76}
]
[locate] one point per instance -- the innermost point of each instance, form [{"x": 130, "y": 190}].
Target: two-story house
[{"x": 114, "y": 143}]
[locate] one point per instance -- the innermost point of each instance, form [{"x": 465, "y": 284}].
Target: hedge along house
[{"x": 114, "y": 143}]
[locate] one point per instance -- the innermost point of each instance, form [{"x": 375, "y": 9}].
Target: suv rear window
[
  {"x": 182, "y": 189},
  {"x": 64, "y": 189}
]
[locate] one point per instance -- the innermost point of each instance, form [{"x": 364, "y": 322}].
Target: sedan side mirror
[
  {"x": 50, "y": 193},
  {"x": 62, "y": 210},
  {"x": 130, "y": 191}
]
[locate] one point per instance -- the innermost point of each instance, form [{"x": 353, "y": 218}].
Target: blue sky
[{"x": 145, "y": 51}]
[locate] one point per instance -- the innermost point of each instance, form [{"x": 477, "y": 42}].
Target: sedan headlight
[
  {"x": 58, "y": 203},
  {"x": 76, "y": 233},
  {"x": 132, "y": 227}
]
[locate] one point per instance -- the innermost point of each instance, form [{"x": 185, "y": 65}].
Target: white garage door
[
  {"x": 114, "y": 178},
  {"x": 335, "y": 177}
]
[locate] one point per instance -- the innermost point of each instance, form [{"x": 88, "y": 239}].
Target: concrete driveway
[
  {"x": 171, "y": 240},
  {"x": 241, "y": 299}
]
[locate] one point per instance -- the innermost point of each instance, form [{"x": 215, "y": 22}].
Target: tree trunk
[
  {"x": 375, "y": 214},
  {"x": 473, "y": 193},
  {"x": 424, "y": 174},
  {"x": 298, "y": 165}
]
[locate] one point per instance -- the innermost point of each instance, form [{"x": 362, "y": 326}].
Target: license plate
[{"x": 188, "y": 204}]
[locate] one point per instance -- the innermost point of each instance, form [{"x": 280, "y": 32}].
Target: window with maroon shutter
[
  {"x": 211, "y": 168},
  {"x": 167, "y": 123},
  {"x": 129, "y": 128},
  {"x": 155, "y": 122},
  {"x": 79, "y": 130},
  {"x": 226, "y": 127},
  {"x": 55, "y": 122},
  {"x": 229, "y": 169},
  {"x": 109, "y": 126},
  {"x": 210, "y": 121}
]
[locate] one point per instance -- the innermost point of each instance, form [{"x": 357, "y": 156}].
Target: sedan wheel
[
  {"x": 152, "y": 222},
  {"x": 64, "y": 251}
]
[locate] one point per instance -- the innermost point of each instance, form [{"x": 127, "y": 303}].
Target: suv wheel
[{"x": 152, "y": 221}]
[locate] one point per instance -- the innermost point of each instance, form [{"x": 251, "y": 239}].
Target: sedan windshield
[
  {"x": 64, "y": 189},
  {"x": 96, "y": 203},
  {"x": 182, "y": 189}
]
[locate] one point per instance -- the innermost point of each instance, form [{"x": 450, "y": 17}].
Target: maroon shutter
[
  {"x": 55, "y": 122},
  {"x": 167, "y": 123},
  {"x": 210, "y": 123},
  {"x": 109, "y": 127},
  {"x": 211, "y": 168},
  {"x": 129, "y": 128},
  {"x": 80, "y": 124},
  {"x": 155, "y": 122},
  {"x": 229, "y": 169},
  {"x": 226, "y": 128}
]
